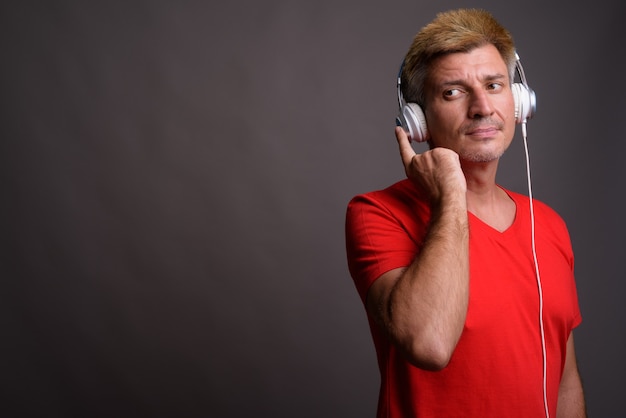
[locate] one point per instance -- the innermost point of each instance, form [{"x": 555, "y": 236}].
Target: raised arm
[{"x": 423, "y": 307}]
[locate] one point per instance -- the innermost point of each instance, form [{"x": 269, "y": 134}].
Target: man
[{"x": 464, "y": 323}]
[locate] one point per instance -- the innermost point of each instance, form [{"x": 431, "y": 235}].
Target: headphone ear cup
[
  {"x": 414, "y": 122},
  {"x": 525, "y": 102}
]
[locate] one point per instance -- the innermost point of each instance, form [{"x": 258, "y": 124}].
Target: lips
[
  {"x": 486, "y": 132},
  {"x": 483, "y": 128}
]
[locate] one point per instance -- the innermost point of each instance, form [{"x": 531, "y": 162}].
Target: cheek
[
  {"x": 509, "y": 107},
  {"x": 441, "y": 121},
  {"x": 508, "y": 117},
  {"x": 509, "y": 132}
]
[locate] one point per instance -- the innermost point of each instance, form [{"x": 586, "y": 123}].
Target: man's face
[{"x": 469, "y": 104}]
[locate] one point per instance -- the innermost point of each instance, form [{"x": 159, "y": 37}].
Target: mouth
[
  {"x": 482, "y": 131},
  {"x": 483, "y": 134}
]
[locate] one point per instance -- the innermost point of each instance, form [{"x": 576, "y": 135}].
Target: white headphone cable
[{"x": 532, "y": 235}]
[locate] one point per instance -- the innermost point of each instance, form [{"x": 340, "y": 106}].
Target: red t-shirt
[{"x": 497, "y": 367}]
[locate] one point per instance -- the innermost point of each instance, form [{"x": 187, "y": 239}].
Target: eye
[
  {"x": 451, "y": 93},
  {"x": 494, "y": 86}
]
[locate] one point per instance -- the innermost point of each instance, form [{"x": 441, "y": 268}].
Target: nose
[{"x": 480, "y": 105}]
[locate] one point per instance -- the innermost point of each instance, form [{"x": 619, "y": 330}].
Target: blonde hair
[{"x": 460, "y": 30}]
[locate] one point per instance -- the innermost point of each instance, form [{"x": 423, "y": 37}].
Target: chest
[{"x": 504, "y": 288}]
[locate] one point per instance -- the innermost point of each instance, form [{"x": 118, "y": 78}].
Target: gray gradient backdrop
[{"x": 175, "y": 176}]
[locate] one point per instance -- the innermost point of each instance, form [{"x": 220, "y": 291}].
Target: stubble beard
[{"x": 482, "y": 157}]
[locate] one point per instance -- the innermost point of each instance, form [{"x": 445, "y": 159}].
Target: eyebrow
[{"x": 491, "y": 77}]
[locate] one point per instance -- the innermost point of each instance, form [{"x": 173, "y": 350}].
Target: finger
[{"x": 406, "y": 150}]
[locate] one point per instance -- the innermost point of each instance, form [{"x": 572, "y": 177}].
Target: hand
[{"x": 437, "y": 171}]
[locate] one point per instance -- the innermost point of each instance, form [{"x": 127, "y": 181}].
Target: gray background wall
[{"x": 174, "y": 181}]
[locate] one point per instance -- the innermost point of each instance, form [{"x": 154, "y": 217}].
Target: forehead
[{"x": 480, "y": 63}]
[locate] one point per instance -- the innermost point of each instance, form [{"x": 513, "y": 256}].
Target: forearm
[
  {"x": 423, "y": 307},
  {"x": 426, "y": 308},
  {"x": 571, "y": 403}
]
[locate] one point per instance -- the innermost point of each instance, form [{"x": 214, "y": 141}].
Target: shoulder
[
  {"x": 393, "y": 198},
  {"x": 388, "y": 216},
  {"x": 544, "y": 214},
  {"x": 383, "y": 230},
  {"x": 538, "y": 204}
]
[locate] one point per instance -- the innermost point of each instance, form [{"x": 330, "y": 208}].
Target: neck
[
  {"x": 480, "y": 177},
  {"x": 485, "y": 199}
]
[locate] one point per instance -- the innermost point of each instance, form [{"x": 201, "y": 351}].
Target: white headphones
[{"x": 413, "y": 121}]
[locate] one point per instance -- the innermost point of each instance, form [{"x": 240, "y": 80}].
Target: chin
[
  {"x": 481, "y": 157},
  {"x": 483, "y": 154}
]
